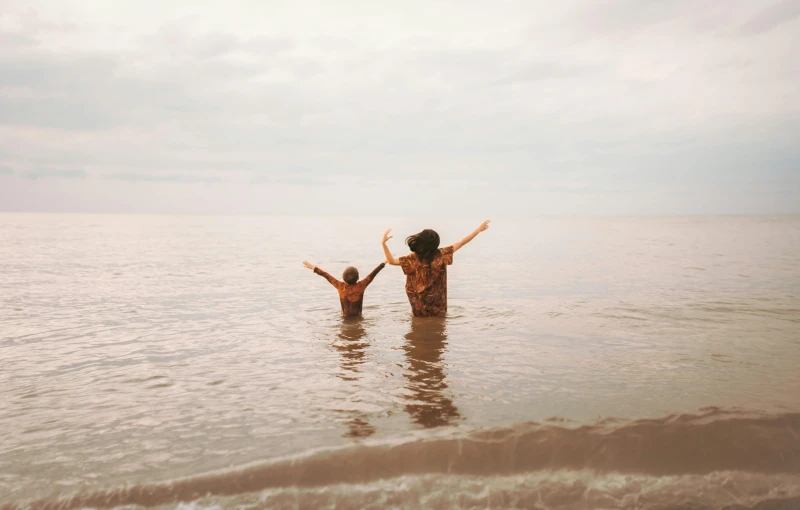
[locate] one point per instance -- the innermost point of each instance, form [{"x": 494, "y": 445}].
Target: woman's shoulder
[
  {"x": 446, "y": 255},
  {"x": 409, "y": 263}
]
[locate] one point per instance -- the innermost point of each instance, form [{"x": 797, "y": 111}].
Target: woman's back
[{"x": 426, "y": 282}]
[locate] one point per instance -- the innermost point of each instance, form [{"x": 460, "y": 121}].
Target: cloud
[
  {"x": 16, "y": 40},
  {"x": 615, "y": 95},
  {"x": 308, "y": 182},
  {"x": 75, "y": 92},
  {"x": 6, "y": 170},
  {"x": 779, "y": 13},
  {"x": 628, "y": 17},
  {"x": 54, "y": 174},
  {"x": 189, "y": 179},
  {"x": 537, "y": 71}
]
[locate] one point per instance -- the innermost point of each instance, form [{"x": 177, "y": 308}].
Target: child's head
[
  {"x": 425, "y": 244},
  {"x": 350, "y": 276}
]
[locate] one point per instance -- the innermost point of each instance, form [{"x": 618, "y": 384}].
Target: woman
[{"x": 426, "y": 269}]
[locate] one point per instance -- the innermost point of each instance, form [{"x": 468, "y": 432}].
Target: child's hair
[
  {"x": 425, "y": 244},
  {"x": 350, "y": 275}
]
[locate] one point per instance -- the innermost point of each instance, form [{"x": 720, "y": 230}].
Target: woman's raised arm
[
  {"x": 390, "y": 259},
  {"x": 457, "y": 246}
]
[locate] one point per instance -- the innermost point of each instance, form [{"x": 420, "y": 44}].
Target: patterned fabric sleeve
[
  {"x": 408, "y": 263},
  {"x": 336, "y": 283},
  {"x": 447, "y": 255},
  {"x": 372, "y": 275}
]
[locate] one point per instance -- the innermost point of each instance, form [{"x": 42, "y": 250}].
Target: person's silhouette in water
[
  {"x": 429, "y": 404},
  {"x": 352, "y": 344}
]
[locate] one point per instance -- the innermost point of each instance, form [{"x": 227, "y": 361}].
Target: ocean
[{"x": 183, "y": 361}]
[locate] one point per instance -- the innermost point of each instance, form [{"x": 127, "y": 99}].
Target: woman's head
[{"x": 424, "y": 244}]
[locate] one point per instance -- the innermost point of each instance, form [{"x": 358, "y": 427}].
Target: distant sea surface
[{"x": 193, "y": 362}]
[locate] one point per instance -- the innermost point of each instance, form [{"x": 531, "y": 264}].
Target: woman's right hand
[
  {"x": 484, "y": 226},
  {"x": 390, "y": 259}
]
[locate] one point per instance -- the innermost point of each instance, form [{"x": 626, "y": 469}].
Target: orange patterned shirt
[
  {"x": 351, "y": 296},
  {"x": 426, "y": 283}
]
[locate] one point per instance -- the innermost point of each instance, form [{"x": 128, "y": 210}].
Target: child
[{"x": 351, "y": 291}]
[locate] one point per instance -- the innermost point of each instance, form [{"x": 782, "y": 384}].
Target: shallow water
[{"x": 137, "y": 350}]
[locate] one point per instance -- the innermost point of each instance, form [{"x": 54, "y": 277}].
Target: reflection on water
[
  {"x": 425, "y": 344},
  {"x": 352, "y": 346},
  {"x": 357, "y": 424}
]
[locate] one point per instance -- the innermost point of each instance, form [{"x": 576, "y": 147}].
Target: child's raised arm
[
  {"x": 374, "y": 272},
  {"x": 481, "y": 228},
  {"x": 336, "y": 283}
]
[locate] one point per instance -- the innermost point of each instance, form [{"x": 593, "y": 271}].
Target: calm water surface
[{"x": 138, "y": 350}]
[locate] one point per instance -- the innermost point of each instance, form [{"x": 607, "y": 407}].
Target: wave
[
  {"x": 559, "y": 490},
  {"x": 689, "y": 447}
]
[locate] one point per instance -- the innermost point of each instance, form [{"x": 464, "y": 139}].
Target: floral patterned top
[
  {"x": 426, "y": 283},
  {"x": 351, "y": 296}
]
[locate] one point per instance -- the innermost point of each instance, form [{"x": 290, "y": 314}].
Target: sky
[{"x": 578, "y": 107}]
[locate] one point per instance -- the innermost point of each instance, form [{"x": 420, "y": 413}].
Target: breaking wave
[{"x": 714, "y": 459}]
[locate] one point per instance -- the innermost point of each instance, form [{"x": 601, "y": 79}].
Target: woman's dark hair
[{"x": 425, "y": 244}]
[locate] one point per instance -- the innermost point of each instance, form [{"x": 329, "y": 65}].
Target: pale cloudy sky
[{"x": 401, "y": 108}]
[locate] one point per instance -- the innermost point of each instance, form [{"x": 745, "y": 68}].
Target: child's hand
[
  {"x": 308, "y": 264},
  {"x": 484, "y": 226},
  {"x": 386, "y": 236}
]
